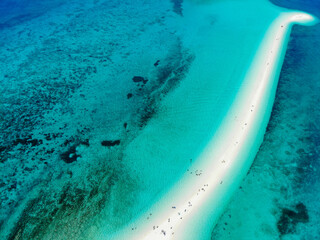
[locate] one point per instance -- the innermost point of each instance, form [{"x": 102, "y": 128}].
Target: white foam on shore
[{"x": 194, "y": 204}]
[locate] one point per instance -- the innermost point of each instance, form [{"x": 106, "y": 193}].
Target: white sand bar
[{"x": 191, "y": 208}]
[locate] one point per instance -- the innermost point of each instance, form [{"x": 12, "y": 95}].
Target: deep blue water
[
  {"x": 300, "y": 78},
  {"x": 310, "y": 6},
  {"x": 13, "y": 12}
]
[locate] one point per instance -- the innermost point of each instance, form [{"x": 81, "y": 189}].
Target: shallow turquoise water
[
  {"x": 279, "y": 197},
  {"x": 105, "y": 104}
]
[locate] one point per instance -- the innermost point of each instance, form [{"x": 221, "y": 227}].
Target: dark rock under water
[
  {"x": 137, "y": 79},
  {"x": 107, "y": 143},
  {"x": 70, "y": 155},
  {"x": 177, "y": 7},
  {"x": 290, "y": 218}
]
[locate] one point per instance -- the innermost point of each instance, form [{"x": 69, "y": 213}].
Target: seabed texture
[
  {"x": 80, "y": 80},
  {"x": 278, "y": 199}
]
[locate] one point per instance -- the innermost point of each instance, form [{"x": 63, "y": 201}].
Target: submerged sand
[
  {"x": 108, "y": 105},
  {"x": 197, "y": 200}
]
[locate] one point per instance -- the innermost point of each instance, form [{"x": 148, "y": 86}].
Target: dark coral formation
[
  {"x": 108, "y": 143},
  {"x": 290, "y": 218},
  {"x": 137, "y": 79},
  {"x": 129, "y": 95},
  {"x": 177, "y": 7},
  {"x": 44, "y": 151},
  {"x": 156, "y": 63},
  {"x": 167, "y": 77},
  {"x": 70, "y": 155},
  {"x": 80, "y": 202}
]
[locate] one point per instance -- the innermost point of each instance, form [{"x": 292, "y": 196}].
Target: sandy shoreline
[{"x": 198, "y": 199}]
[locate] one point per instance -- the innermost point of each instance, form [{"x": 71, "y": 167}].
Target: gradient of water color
[
  {"x": 279, "y": 197},
  {"x": 98, "y": 104}
]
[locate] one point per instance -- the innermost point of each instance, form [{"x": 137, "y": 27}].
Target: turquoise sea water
[
  {"x": 279, "y": 197},
  {"x": 105, "y": 104}
]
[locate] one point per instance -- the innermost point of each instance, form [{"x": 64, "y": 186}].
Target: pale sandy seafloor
[
  {"x": 279, "y": 198},
  {"x": 199, "y": 200},
  {"x": 229, "y": 158},
  {"x": 90, "y": 133},
  {"x": 80, "y": 84}
]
